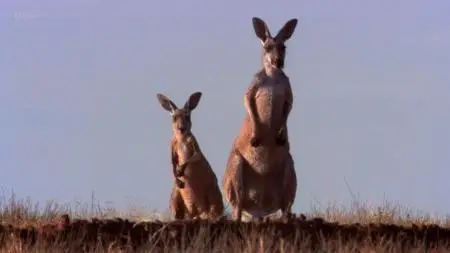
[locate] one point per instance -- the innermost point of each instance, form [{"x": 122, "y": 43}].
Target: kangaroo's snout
[
  {"x": 182, "y": 129},
  {"x": 276, "y": 61},
  {"x": 181, "y": 121}
]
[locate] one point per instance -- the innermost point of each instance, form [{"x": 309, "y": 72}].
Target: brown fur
[
  {"x": 196, "y": 193},
  {"x": 260, "y": 177}
]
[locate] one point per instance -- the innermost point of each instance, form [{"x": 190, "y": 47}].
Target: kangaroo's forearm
[
  {"x": 287, "y": 107},
  {"x": 253, "y": 112},
  {"x": 251, "y": 109},
  {"x": 177, "y": 170},
  {"x": 286, "y": 111},
  {"x": 284, "y": 118},
  {"x": 196, "y": 154},
  {"x": 195, "y": 157},
  {"x": 174, "y": 163}
]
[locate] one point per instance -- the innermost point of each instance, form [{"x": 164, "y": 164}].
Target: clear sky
[{"x": 78, "y": 110}]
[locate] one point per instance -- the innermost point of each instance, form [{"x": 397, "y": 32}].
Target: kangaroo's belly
[
  {"x": 263, "y": 178},
  {"x": 265, "y": 159},
  {"x": 262, "y": 196},
  {"x": 193, "y": 198}
]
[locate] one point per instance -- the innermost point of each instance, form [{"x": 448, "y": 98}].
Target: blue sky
[{"x": 79, "y": 114}]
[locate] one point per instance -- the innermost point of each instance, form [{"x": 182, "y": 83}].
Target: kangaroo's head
[
  {"x": 274, "y": 48},
  {"x": 181, "y": 117}
]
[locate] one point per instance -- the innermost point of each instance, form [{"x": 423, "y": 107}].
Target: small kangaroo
[
  {"x": 196, "y": 193},
  {"x": 260, "y": 176}
]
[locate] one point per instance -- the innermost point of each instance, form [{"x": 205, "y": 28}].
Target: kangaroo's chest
[
  {"x": 272, "y": 89},
  {"x": 269, "y": 99},
  {"x": 184, "y": 152}
]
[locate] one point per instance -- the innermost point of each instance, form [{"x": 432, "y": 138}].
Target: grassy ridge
[{"x": 25, "y": 213}]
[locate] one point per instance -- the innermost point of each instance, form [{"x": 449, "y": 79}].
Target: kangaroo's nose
[
  {"x": 275, "y": 60},
  {"x": 182, "y": 129}
]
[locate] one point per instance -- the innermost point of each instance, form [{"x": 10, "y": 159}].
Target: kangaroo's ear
[
  {"x": 193, "y": 100},
  {"x": 286, "y": 31},
  {"x": 261, "y": 29},
  {"x": 166, "y": 103}
]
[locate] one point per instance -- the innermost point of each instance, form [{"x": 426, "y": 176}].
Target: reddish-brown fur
[
  {"x": 260, "y": 177},
  {"x": 196, "y": 193}
]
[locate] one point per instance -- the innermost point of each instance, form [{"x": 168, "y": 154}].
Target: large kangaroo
[
  {"x": 196, "y": 192},
  {"x": 260, "y": 178}
]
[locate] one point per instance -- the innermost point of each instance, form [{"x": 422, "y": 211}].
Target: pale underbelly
[
  {"x": 248, "y": 215},
  {"x": 261, "y": 201}
]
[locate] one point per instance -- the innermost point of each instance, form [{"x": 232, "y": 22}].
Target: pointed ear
[
  {"x": 261, "y": 29},
  {"x": 286, "y": 32},
  {"x": 193, "y": 100},
  {"x": 166, "y": 103}
]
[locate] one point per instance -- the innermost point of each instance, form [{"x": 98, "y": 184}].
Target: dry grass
[
  {"x": 388, "y": 213},
  {"x": 26, "y": 213}
]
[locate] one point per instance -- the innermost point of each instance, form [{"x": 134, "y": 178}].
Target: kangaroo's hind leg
[
  {"x": 215, "y": 202},
  {"x": 233, "y": 183},
  {"x": 177, "y": 206},
  {"x": 289, "y": 186}
]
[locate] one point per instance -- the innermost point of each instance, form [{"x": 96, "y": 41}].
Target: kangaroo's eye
[{"x": 176, "y": 117}]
